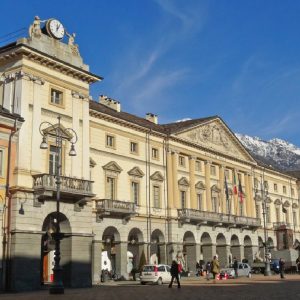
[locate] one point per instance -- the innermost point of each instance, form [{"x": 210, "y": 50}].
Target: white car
[
  {"x": 243, "y": 270},
  {"x": 155, "y": 274}
]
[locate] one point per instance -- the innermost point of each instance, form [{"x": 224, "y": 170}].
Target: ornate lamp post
[
  {"x": 264, "y": 195},
  {"x": 60, "y": 134}
]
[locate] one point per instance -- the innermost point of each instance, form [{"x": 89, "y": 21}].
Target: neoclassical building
[{"x": 136, "y": 190}]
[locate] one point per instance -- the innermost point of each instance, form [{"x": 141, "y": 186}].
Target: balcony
[
  {"x": 216, "y": 219},
  {"x": 72, "y": 189},
  {"x": 115, "y": 208},
  {"x": 281, "y": 225}
]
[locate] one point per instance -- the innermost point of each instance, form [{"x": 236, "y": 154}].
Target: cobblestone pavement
[{"x": 258, "y": 287}]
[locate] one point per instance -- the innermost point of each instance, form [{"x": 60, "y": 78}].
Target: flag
[
  {"x": 241, "y": 194},
  {"x": 234, "y": 184}
]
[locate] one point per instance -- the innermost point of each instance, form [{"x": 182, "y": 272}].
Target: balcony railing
[
  {"x": 281, "y": 225},
  {"x": 108, "y": 207},
  {"x": 45, "y": 185},
  {"x": 202, "y": 217}
]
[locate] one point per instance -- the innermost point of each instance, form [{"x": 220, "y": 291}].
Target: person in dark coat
[
  {"x": 281, "y": 267},
  {"x": 174, "y": 273},
  {"x": 235, "y": 267}
]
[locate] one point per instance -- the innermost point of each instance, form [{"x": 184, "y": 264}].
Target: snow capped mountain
[{"x": 276, "y": 152}]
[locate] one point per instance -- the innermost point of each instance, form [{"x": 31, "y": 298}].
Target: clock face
[{"x": 56, "y": 29}]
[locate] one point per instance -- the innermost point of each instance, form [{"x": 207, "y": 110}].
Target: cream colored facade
[{"x": 154, "y": 190}]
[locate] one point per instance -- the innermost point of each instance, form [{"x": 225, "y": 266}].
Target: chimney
[
  {"x": 113, "y": 104},
  {"x": 152, "y": 118}
]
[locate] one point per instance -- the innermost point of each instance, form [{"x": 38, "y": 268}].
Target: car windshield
[{"x": 148, "y": 268}]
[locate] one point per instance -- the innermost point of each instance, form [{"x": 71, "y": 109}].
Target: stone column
[
  {"x": 207, "y": 184},
  {"x": 193, "y": 203},
  {"x": 248, "y": 199},
  {"x": 175, "y": 179},
  {"x": 121, "y": 259},
  {"x": 235, "y": 197},
  {"x": 36, "y": 138},
  {"x": 170, "y": 180},
  {"x": 198, "y": 252},
  {"x": 96, "y": 260},
  {"x": 222, "y": 193},
  {"x": 251, "y": 197},
  {"x": 162, "y": 252}
]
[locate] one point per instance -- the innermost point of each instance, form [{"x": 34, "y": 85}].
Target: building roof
[
  {"x": 6, "y": 113},
  {"x": 162, "y": 128}
]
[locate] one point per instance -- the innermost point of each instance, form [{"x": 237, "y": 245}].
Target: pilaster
[
  {"x": 207, "y": 184},
  {"x": 193, "y": 203}
]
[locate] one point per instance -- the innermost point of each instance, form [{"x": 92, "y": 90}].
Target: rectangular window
[
  {"x": 135, "y": 192},
  {"x": 1, "y": 162},
  {"x": 181, "y": 161},
  {"x": 56, "y": 97},
  {"x": 287, "y": 216},
  {"x": 199, "y": 201},
  {"x": 266, "y": 185},
  {"x": 183, "y": 199},
  {"x": 275, "y": 187},
  {"x": 292, "y": 192},
  {"x": 284, "y": 189},
  {"x": 53, "y": 160},
  {"x": 156, "y": 196},
  {"x": 154, "y": 153},
  {"x": 198, "y": 165},
  {"x": 278, "y": 214},
  {"x": 110, "y": 188},
  {"x": 268, "y": 214},
  {"x": 241, "y": 206},
  {"x": 214, "y": 204},
  {"x": 110, "y": 141},
  {"x": 295, "y": 218},
  {"x": 227, "y": 174},
  {"x": 257, "y": 210},
  {"x": 133, "y": 147},
  {"x": 213, "y": 170}
]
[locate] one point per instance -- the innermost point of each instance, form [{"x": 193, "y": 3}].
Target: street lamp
[
  {"x": 264, "y": 196},
  {"x": 60, "y": 134}
]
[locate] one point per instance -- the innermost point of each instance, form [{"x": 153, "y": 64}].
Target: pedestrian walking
[
  {"x": 215, "y": 268},
  {"x": 174, "y": 273},
  {"x": 235, "y": 267},
  {"x": 208, "y": 269},
  {"x": 281, "y": 267},
  {"x": 298, "y": 264}
]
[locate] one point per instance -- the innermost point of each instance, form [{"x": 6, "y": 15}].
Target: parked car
[
  {"x": 243, "y": 270},
  {"x": 155, "y": 274}
]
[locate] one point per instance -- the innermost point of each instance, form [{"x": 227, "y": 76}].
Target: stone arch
[
  {"x": 207, "y": 250},
  {"x": 189, "y": 251},
  {"x": 135, "y": 248},
  {"x": 157, "y": 247},
  {"x": 48, "y": 247},
  {"x": 248, "y": 249},
  {"x": 222, "y": 249},
  {"x": 111, "y": 252},
  {"x": 235, "y": 247}
]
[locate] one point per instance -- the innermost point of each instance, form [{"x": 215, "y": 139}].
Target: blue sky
[{"x": 187, "y": 58}]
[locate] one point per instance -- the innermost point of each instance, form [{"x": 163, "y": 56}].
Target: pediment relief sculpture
[
  {"x": 136, "y": 172},
  {"x": 200, "y": 185},
  {"x": 277, "y": 202},
  {"x": 157, "y": 176},
  {"x": 217, "y": 136},
  {"x": 58, "y": 129},
  {"x": 113, "y": 167},
  {"x": 183, "y": 181},
  {"x": 215, "y": 189}
]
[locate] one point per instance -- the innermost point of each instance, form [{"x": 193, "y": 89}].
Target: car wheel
[
  {"x": 159, "y": 281},
  {"x": 143, "y": 283}
]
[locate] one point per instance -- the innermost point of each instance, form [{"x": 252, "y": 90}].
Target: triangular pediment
[
  {"x": 215, "y": 189},
  {"x": 200, "y": 185},
  {"x": 113, "y": 167},
  {"x": 183, "y": 181},
  {"x": 136, "y": 172},
  {"x": 58, "y": 129},
  {"x": 157, "y": 176},
  {"x": 217, "y": 136},
  {"x": 277, "y": 202},
  {"x": 286, "y": 204}
]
